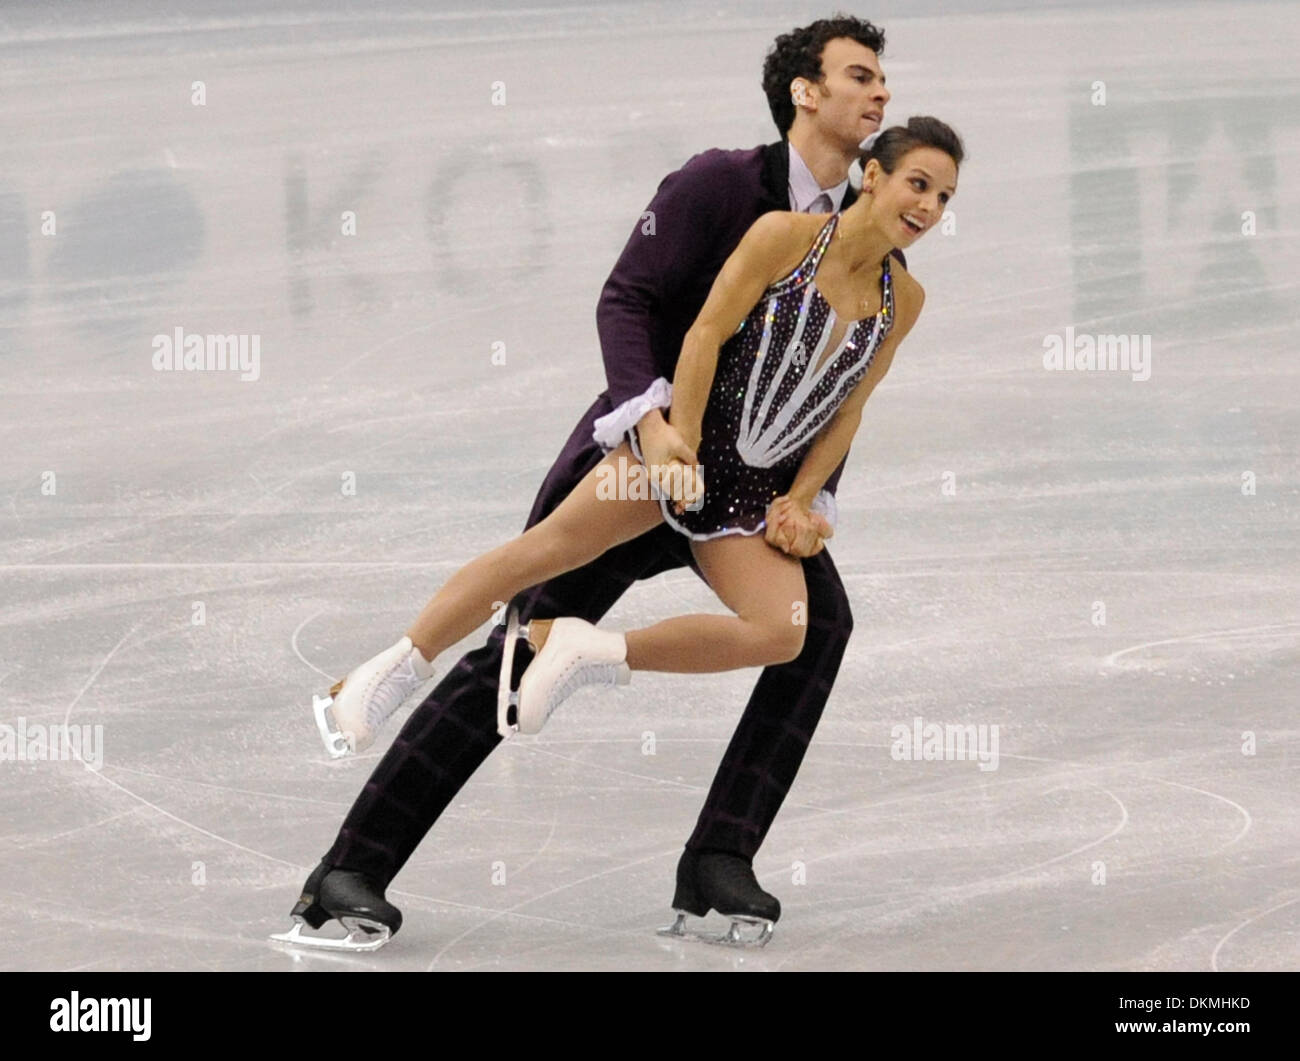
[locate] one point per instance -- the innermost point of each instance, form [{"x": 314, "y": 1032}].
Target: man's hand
[
  {"x": 795, "y": 529},
  {"x": 671, "y": 461}
]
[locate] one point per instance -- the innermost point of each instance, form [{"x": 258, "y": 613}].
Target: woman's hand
[
  {"x": 671, "y": 461},
  {"x": 685, "y": 486},
  {"x": 795, "y": 529}
]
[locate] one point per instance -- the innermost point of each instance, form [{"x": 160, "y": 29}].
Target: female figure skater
[{"x": 801, "y": 324}]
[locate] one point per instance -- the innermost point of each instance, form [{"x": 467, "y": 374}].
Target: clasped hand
[
  {"x": 795, "y": 529},
  {"x": 791, "y": 526}
]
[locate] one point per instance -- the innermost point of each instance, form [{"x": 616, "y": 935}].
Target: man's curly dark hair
[{"x": 799, "y": 54}]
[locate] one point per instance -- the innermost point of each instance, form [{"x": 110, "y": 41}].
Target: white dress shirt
[{"x": 806, "y": 195}]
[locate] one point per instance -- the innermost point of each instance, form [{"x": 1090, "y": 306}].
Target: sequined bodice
[{"x": 776, "y": 373}]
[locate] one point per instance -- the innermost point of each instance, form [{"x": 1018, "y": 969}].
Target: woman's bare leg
[
  {"x": 581, "y": 528},
  {"x": 762, "y": 585}
]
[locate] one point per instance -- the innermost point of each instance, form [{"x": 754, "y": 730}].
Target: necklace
[{"x": 864, "y": 302}]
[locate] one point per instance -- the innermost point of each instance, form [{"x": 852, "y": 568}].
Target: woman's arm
[
  {"x": 772, "y": 246},
  {"x": 833, "y": 441}
]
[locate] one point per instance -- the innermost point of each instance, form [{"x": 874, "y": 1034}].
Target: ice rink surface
[{"x": 1103, "y": 567}]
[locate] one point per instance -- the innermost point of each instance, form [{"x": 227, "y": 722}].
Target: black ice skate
[
  {"x": 714, "y": 880},
  {"x": 353, "y": 900}
]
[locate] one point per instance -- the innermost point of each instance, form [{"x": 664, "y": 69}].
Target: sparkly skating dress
[{"x": 775, "y": 386}]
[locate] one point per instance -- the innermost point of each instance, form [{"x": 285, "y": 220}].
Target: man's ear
[{"x": 801, "y": 92}]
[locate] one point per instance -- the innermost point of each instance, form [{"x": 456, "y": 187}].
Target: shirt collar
[{"x": 804, "y": 187}]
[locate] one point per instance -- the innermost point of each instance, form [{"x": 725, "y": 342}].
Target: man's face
[{"x": 851, "y": 97}]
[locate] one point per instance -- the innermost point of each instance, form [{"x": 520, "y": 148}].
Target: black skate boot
[
  {"x": 686, "y": 899},
  {"x": 353, "y": 899},
  {"x": 718, "y": 880},
  {"x": 307, "y": 909}
]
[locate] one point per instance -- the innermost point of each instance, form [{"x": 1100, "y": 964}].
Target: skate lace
[
  {"x": 578, "y": 675},
  {"x": 390, "y": 692}
]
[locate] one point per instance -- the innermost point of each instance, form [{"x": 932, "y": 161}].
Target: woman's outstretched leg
[{"x": 583, "y": 526}]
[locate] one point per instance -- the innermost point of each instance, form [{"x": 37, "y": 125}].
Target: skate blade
[
  {"x": 506, "y": 696},
  {"x": 335, "y": 743},
  {"x": 733, "y": 937},
  {"x": 362, "y": 936}
]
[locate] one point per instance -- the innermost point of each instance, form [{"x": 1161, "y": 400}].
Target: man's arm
[{"x": 673, "y": 240}]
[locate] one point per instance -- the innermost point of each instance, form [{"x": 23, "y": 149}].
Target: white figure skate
[
  {"x": 357, "y": 707},
  {"x": 576, "y": 654}
]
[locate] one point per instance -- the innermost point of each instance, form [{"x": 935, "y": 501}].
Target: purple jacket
[{"x": 661, "y": 280}]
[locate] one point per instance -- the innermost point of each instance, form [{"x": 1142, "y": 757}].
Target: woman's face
[{"x": 910, "y": 201}]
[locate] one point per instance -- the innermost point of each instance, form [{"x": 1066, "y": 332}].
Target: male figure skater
[{"x": 827, "y": 94}]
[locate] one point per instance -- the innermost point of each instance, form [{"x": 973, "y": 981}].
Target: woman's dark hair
[
  {"x": 921, "y": 131},
  {"x": 799, "y": 54}
]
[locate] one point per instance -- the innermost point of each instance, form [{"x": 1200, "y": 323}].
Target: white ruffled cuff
[
  {"x": 609, "y": 429},
  {"x": 824, "y": 503}
]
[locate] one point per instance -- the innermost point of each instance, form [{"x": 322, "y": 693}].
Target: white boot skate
[
  {"x": 576, "y": 654},
  {"x": 356, "y": 709}
]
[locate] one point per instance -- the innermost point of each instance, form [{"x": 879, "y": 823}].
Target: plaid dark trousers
[{"x": 454, "y": 729}]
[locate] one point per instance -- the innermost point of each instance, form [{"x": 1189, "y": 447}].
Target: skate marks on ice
[
  {"x": 527, "y": 948},
  {"x": 802, "y": 943},
  {"x": 221, "y": 949},
  {"x": 577, "y": 937},
  {"x": 543, "y": 748},
  {"x": 171, "y": 930},
  {"x": 198, "y": 947},
  {"x": 578, "y": 882},
  {"x": 872, "y": 929},
  {"x": 1241, "y": 645},
  {"x": 1214, "y": 955},
  {"x": 1077, "y": 776}
]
